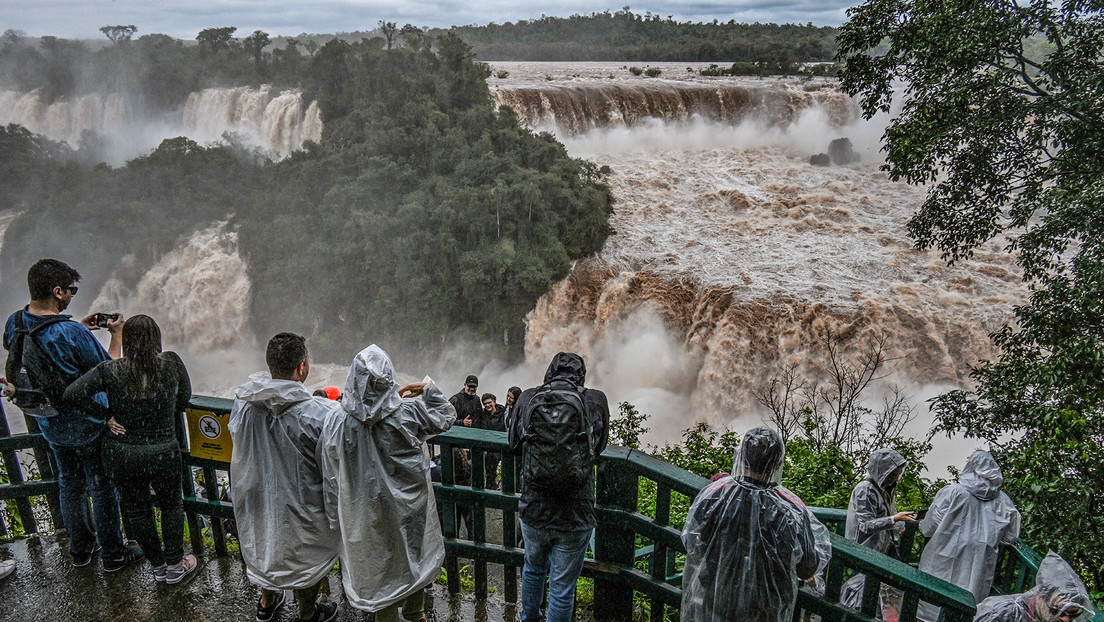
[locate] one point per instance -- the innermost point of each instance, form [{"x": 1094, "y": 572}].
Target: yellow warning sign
[{"x": 208, "y": 436}]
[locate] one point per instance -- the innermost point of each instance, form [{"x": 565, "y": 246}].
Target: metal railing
[{"x": 637, "y": 552}]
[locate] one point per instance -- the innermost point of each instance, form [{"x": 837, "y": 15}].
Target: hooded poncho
[
  {"x": 286, "y": 541},
  {"x": 377, "y": 483},
  {"x": 749, "y": 541},
  {"x": 1057, "y": 590},
  {"x": 965, "y": 527}
]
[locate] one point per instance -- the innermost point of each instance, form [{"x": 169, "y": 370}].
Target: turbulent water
[
  {"x": 276, "y": 121},
  {"x": 733, "y": 257}
]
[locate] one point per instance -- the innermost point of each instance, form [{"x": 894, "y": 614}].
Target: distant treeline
[
  {"x": 627, "y": 36},
  {"x": 422, "y": 215},
  {"x": 161, "y": 71},
  {"x": 156, "y": 69}
]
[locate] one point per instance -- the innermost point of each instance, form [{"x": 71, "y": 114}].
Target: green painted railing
[{"x": 637, "y": 553}]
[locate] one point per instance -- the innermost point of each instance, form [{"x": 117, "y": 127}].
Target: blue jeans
[
  {"x": 557, "y": 556},
  {"x": 81, "y": 474}
]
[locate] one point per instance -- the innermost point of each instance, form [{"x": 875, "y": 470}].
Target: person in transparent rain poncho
[
  {"x": 286, "y": 541},
  {"x": 965, "y": 526},
  {"x": 378, "y": 489},
  {"x": 872, "y": 521},
  {"x": 1058, "y": 596},
  {"x": 749, "y": 541}
]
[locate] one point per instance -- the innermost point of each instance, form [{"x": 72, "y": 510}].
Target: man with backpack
[
  {"x": 52, "y": 351},
  {"x": 559, "y": 431}
]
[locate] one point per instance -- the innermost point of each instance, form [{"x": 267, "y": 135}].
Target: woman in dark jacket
[{"x": 147, "y": 390}]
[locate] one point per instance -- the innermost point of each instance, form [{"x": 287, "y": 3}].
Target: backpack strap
[{"x": 15, "y": 350}]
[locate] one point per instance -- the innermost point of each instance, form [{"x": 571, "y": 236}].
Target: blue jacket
[{"x": 75, "y": 350}]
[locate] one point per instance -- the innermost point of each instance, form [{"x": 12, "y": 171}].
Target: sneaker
[
  {"x": 264, "y": 614},
  {"x": 129, "y": 555},
  {"x": 159, "y": 572},
  {"x": 7, "y": 567},
  {"x": 323, "y": 612},
  {"x": 176, "y": 573},
  {"x": 80, "y": 561}
]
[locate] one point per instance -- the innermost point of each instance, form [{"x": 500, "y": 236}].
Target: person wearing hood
[
  {"x": 749, "y": 541},
  {"x": 966, "y": 525},
  {"x": 557, "y": 510},
  {"x": 287, "y": 542},
  {"x": 378, "y": 490},
  {"x": 1058, "y": 596},
  {"x": 872, "y": 514}
]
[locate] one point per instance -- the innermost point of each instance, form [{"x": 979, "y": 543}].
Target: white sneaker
[{"x": 7, "y": 567}]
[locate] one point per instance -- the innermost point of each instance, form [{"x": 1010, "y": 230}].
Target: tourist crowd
[{"x": 345, "y": 475}]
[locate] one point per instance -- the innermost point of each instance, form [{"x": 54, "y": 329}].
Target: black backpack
[
  {"x": 560, "y": 442},
  {"x": 39, "y": 383}
]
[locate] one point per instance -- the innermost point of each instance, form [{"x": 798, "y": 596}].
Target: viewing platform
[{"x": 635, "y": 567}]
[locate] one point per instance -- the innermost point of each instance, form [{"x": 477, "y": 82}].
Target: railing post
[
  {"x": 614, "y": 544},
  {"x": 47, "y": 470}
]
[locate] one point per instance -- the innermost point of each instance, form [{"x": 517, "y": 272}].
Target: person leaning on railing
[
  {"x": 872, "y": 519},
  {"x": 966, "y": 525},
  {"x": 1058, "y": 596},
  {"x": 147, "y": 391},
  {"x": 749, "y": 541}
]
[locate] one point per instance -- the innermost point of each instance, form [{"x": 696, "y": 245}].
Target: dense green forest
[
  {"x": 422, "y": 214},
  {"x": 625, "y": 36}
]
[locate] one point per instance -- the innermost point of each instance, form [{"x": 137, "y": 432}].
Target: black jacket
[
  {"x": 466, "y": 406},
  {"x": 567, "y": 370},
  {"x": 491, "y": 421}
]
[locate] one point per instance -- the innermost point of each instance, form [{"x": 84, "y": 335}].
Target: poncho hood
[
  {"x": 275, "y": 396},
  {"x": 370, "y": 390},
  {"x": 982, "y": 476},
  {"x": 883, "y": 462}
]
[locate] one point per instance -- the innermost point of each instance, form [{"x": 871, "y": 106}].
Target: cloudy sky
[{"x": 184, "y": 18}]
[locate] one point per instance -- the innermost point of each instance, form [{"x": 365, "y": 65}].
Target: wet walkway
[{"x": 46, "y": 588}]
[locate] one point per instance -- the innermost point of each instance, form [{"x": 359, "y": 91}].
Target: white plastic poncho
[
  {"x": 749, "y": 541},
  {"x": 378, "y": 489},
  {"x": 286, "y": 541},
  {"x": 872, "y": 506},
  {"x": 1057, "y": 590},
  {"x": 965, "y": 527},
  {"x": 870, "y": 518}
]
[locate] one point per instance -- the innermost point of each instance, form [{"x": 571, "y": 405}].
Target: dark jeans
[
  {"x": 81, "y": 474},
  {"x": 136, "y": 468}
]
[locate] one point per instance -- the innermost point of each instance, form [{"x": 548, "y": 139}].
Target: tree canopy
[
  {"x": 424, "y": 214},
  {"x": 1006, "y": 134}
]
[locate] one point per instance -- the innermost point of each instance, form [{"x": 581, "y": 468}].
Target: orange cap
[{"x": 333, "y": 393}]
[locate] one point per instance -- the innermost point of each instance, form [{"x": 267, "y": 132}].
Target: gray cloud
[{"x": 184, "y": 18}]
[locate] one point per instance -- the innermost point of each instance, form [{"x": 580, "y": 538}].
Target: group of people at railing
[{"x": 317, "y": 480}]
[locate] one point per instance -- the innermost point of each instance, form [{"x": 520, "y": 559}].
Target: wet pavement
[{"x": 46, "y": 587}]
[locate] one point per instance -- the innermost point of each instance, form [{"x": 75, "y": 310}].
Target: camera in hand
[{"x": 103, "y": 318}]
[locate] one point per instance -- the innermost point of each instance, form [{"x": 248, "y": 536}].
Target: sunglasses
[{"x": 72, "y": 289}]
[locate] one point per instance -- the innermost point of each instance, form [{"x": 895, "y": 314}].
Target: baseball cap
[{"x": 471, "y": 381}]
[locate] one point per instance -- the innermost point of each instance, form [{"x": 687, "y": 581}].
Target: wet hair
[
  {"x": 515, "y": 391},
  {"x": 491, "y": 396},
  {"x": 284, "y": 353},
  {"x": 141, "y": 353},
  {"x": 47, "y": 274},
  {"x": 319, "y": 393}
]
